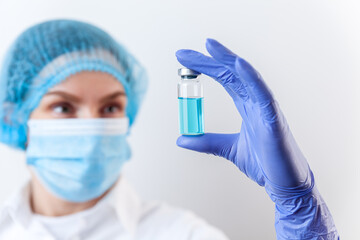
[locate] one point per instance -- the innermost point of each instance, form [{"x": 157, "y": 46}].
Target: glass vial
[{"x": 191, "y": 102}]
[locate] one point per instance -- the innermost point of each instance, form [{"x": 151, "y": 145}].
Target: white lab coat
[{"x": 120, "y": 215}]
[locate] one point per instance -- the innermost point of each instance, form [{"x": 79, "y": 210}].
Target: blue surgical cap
[{"x": 48, "y": 53}]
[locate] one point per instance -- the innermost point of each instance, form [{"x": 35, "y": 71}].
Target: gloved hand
[{"x": 265, "y": 149}]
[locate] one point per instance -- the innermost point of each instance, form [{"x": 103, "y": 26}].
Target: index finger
[
  {"x": 254, "y": 83},
  {"x": 209, "y": 66}
]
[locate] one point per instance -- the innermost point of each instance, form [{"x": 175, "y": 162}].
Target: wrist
[{"x": 283, "y": 195}]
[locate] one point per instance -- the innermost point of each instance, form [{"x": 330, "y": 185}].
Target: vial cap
[{"x": 188, "y": 72}]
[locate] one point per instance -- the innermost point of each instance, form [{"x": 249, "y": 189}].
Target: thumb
[{"x": 213, "y": 143}]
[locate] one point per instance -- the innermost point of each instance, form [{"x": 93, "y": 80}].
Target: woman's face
[{"x": 83, "y": 95}]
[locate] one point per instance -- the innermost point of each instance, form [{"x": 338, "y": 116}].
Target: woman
[{"x": 70, "y": 93}]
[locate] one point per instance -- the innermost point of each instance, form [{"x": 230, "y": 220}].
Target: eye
[
  {"x": 111, "y": 109},
  {"x": 62, "y": 108}
]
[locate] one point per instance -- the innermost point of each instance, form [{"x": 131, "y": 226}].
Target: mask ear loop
[
  {"x": 127, "y": 133},
  {"x": 127, "y": 78}
]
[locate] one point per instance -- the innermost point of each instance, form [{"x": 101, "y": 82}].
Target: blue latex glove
[{"x": 265, "y": 149}]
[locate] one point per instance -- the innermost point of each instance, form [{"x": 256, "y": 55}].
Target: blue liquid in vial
[{"x": 191, "y": 116}]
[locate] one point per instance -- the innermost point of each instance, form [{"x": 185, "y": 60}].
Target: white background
[{"x": 307, "y": 51}]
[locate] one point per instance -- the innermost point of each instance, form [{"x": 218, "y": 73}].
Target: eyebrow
[
  {"x": 74, "y": 98},
  {"x": 112, "y": 96}
]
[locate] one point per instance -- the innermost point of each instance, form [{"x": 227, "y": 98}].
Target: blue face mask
[{"x": 78, "y": 159}]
